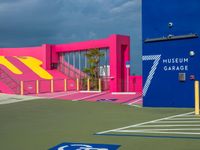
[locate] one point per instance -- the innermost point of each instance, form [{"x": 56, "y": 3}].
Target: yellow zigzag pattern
[
  {"x": 9, "y": 65},
  {"x": 35, "y": 65},
  {"x": 31, "y": 62}
]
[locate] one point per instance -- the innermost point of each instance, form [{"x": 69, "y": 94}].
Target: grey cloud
[{"x": 127, "y": 6}]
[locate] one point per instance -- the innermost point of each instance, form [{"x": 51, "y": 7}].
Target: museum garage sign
[{"x": 175, "y": 64}]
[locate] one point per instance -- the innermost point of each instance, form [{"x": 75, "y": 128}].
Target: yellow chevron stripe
[
  {"x": 9, "y": 65},
  {"x": 35, "y": 65}
]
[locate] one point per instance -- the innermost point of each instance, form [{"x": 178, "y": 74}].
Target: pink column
[
  {"x": 119, "y": 55},
  {"x": 46, "y": 50}
]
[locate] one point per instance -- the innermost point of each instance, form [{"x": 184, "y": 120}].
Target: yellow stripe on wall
[
  {"x": 35, "y": 65},
  {"x": 9, "y": 65}
]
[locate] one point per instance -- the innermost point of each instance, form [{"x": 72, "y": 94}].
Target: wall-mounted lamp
[
  {"x": 170, "y": 24},
  {"x": 192, "y": 53}
]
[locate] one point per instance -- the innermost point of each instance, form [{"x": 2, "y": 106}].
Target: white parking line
[
  {"x": 170, "y": 125},
  {"x": 163, "y": 121},
  {"x": 143, "y": 131},
  {"x": 144, "y": 123},
  {"x": 174, "y": 129},
  {"x": 184, "y": 119}
]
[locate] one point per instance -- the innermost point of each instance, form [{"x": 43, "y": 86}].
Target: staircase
[
  {"x": 10, "y": 82},
  {"x": 71, "y": 71}
]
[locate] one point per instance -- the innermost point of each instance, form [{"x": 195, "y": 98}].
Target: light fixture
[
  {"x": 192, "y": 53},
  {"x": 170, "y": 24}
]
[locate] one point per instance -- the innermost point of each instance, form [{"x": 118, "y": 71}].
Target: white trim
[{"x": 123, "y": 93}]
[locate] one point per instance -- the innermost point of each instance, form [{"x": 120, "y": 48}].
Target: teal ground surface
[{"x": 42, "y": 124}]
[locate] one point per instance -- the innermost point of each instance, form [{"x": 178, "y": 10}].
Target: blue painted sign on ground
[{"x": 85, "y": 146}]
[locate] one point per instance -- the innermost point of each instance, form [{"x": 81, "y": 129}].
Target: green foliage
[{"x": 93, "y": 59}]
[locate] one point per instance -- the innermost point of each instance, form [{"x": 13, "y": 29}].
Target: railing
[
  {"x": 13, "y": 84},
  {"x": 63, "y": 85},
  {"x": 10, "y": 82},
  {"x": 48, "y": 86},
  {"x": 100, "y": 84},
  {"x": 55, "y": 85},
  {"x": 71, "y": 71},
  {"x": 74, "y": 73}
]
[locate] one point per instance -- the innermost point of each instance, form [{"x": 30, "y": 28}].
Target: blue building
[{"x": 171, "y": 52}]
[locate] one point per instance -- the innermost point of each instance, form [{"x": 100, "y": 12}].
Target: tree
[{"x": 93, "y": 59}]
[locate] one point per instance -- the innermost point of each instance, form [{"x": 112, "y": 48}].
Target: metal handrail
[
  {"x": 18, "y": 86},
  {"x": 12, "y": 80},
  {"x": 61, "y": 65}
]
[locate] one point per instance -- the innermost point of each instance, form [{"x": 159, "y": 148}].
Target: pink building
[{"x": 67, "y": 61}]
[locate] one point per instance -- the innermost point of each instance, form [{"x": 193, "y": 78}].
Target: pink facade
[
  {"x": 4, "y": 88},
  {"x": 118, "y": 45},
  {"x": 136, "y": 83}
]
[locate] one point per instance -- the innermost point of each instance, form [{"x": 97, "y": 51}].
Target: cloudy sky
[{"x": 34, "y": 22}]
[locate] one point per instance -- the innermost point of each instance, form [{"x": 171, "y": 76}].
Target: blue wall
[{"x": 164, "y": 60}]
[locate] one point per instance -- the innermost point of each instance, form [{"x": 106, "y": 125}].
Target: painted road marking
[
  {"x": 174, "y": 129},
  {"x": 85, "y": 146},
  {"x": 178, "y": 121},
  {"x": 170, "y": 125},
  {"x": 185, "y": 119},
  {"x": 158, "y": 132},
  {"x": 144, "y": 123}
]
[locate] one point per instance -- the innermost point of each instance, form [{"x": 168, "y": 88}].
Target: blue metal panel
[{"x": 164, "y": 60}]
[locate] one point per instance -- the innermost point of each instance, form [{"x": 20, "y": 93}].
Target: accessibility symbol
[{"x": 82, "y": 146}]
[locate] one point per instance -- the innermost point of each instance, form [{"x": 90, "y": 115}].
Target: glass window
[
  {"x": 76, "y": 63},
  {"x": 71, "y": 58},
  {"x": 87, "y": 64},
  {"x": 83, "y": 62},
  {"x": 104, "y": 63},
  {"x": 66, "y": 57}
]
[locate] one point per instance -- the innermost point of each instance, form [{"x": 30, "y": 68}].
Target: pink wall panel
[
  {"x": 103, "y": 43},
  {"x": 136, "y": 83},
  {"x": 41, "y": 53},
  {"x": 5, "y": 89}
]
